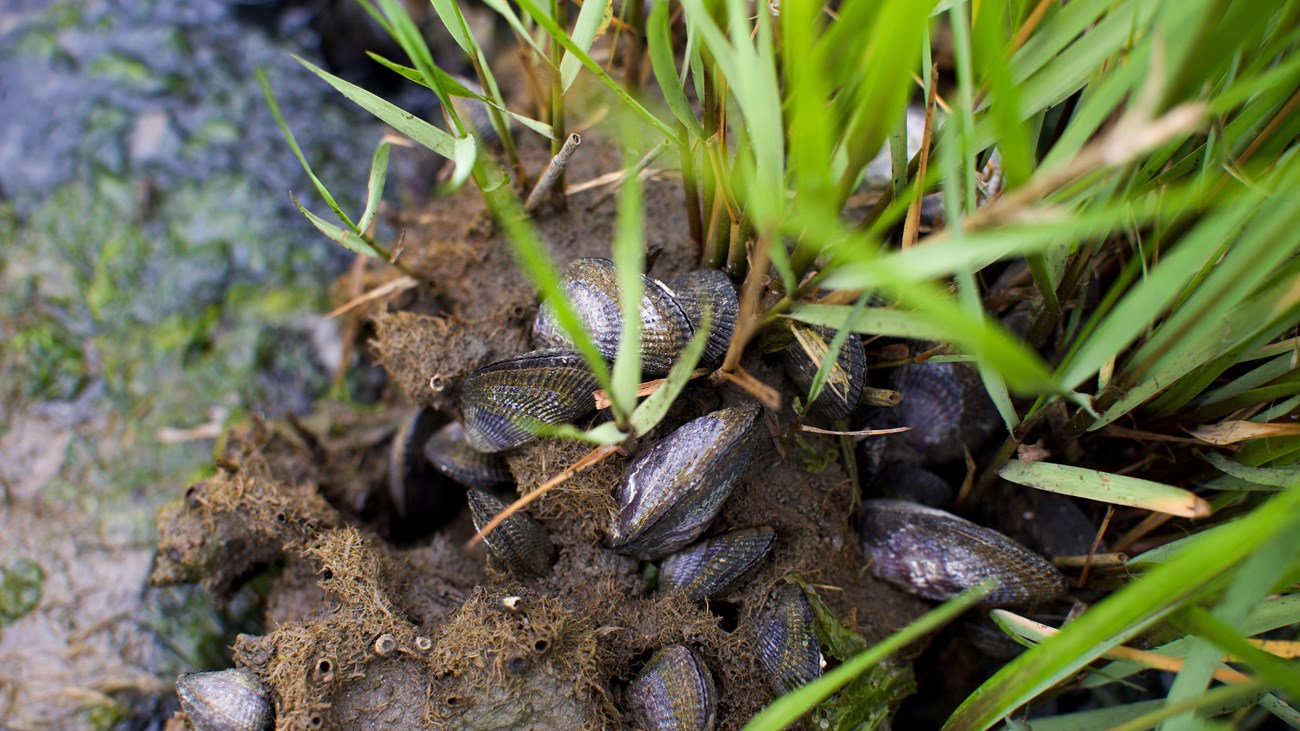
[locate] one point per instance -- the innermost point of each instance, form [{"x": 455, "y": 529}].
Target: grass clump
[{"x": 1137, "y": 157}]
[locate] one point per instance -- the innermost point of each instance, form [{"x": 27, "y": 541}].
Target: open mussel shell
[
  {"x": 422, "y": 496},
  {"x": 449, "y": 452},
  {"x": 674, "y": 692},
  {"x": 708, "y": 293},
  {"x": 787, "y": 647},
  {"x": 520, "y": 544},
  {"x": 947, "y": 409},
  {"x": 717, "y": 566},
  {"x": 225, "y": 700},
  {"x": 937, "y": 555},
  {"x": 673, "y": 490},
  {"x": 502, "y": 404},
  {"x": 592, "y": 286},
  {"x": 846, "y": 379}
]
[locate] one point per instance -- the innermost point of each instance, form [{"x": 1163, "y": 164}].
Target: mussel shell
[
  {"x": 592, "y": 286},
  {"x": 847, "y": 378},
  {"x": 520, "y": 544},
  {"x": 708, "y": 293},
  {"x": 787, "y": 646},
  {"x": 673, "y": 490},
  {"x": 937, "y": 555},
  {"x": 717, "y": 566},
  {"x": 225, "y": 700},
  {"x": 501, "y": 402},
  {"x": 947, "y": 409},
  {"x": 449, "y": 452},
  {"x": 910, "y": 481},
  {"x": 674, "y": 692},
  {"x": 423, "y": 498}
]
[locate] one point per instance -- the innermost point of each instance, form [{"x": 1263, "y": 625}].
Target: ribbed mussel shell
[
  {"x": 937, "y": 555},
  {"x": 717, "y": 566},
  {"x": 787, "y": 646},
  {"x": 843, "y": 387},
  {"x": 673, "y": 490},
  {"x": 946, "y": 407},
  {"x": 708, "y": 292},
  {"x": 411, "y": 479},
  {"x": 674, "y": 692},
  {"x": 225, "y": 700},
  {"x": 500, "y": 402},
  {"x": 520, "y": 543},
  {"x": 592, "y": 285},
  {"x": 451, "y": 454}
]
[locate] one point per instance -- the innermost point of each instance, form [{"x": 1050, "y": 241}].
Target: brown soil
[{"x": 367, "y": 635}]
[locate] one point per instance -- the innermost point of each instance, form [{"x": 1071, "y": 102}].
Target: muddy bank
[{"x": 434, "y": 634}]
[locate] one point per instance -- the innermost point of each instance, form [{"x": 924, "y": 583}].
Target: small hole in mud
[
  {"x": 517, "y": 665},
  {"x": 728, "y": 612},
  {"x": 281, "y": 518},
  {"x": 316, "y": 721},
  {"x": 451, "y": 701},
  {"x": 437, "y": 383},
  {"x": 326, "y": 575},
  {"x": 192, "y": 496},
  {"x": 541, "y": 646},
  {"x": 518, "y": 311}
]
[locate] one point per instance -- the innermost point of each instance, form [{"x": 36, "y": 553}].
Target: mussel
[
  {"x": 708, "y": 294},
  {"x": 673, "y": 490},
  {"x": 787, "y": 646},
  {"x": 502, "y": 404},
  {"x": 410, "y": 476},
  {"x": 846, "y": 379},
  {"x": 449, "y": 452},
  {"x": 520, "y": 543},
  {"x": 592, "y": 286},
  {"x": 674, "y": 692},
  {"x": 947, "y": 409},
  {"x": 225, "y": 700},
  {"x": 937, "y": 555},
  {"x": 717, "y": 566}
]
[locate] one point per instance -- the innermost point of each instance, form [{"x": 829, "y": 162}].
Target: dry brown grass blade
[
  {"x": 588, "y": 461},
  {"x": 1231, "y": 432},
  {"x": 862, "y": 433},
  {"x": 912, "y": 225},
  {"x": 400, "y": 284},
  {"x": 765, "y": 394}
]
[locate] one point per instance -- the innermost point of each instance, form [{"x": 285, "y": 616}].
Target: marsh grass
[{"x": 1149, "y": 180}]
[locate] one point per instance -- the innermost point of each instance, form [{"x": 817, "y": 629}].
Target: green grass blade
[
  {"x": 659, "y": 38},
  {"x": 584, "y": 34},
  {"x": 302, "y": 159},
  {"x": 348, "y": 239},
  {"x": 403, "y": 121},
  {"x": 869, "y": 321},
  {"x": 1270, "y": 477},
  {"x": 455, "y": 88},
  {"x": 789, "y": 708},
  {"x": 375, "y": 186},
  {"x": 1106, "y": 487},
  {"x": 629, "y": 246},
  {"x": 1114, "y": 619},
  {"x": 651, "y": 411},
  {"x": 542, "y": 18},
  {"x": 535, "y": 261}
]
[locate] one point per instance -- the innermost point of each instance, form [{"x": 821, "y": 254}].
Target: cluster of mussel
[{"x": 672, "y": 491}]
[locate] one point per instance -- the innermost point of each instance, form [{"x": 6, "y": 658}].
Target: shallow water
[{"x": 155, "y": 282}]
